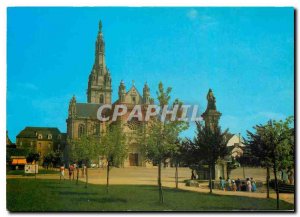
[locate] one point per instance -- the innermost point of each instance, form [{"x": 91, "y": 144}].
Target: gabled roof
[
  {"x": 133, "y": 88},
  {"x": 235, "y": 140},
  {"x": 31, "y": 132}
]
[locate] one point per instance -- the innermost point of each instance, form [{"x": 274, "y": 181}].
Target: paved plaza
[{"x": 148, "y": 176}]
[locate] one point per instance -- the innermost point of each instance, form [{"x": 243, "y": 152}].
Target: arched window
[
  {"x": 101, "y": 98},
  {"x": 133, "y": 100},
  {"x": 81, "y": 130}
]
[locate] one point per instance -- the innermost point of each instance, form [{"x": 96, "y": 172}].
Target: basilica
[{"x": 82, "y": 117}]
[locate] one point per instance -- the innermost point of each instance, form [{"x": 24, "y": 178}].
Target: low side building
[
  {"x": 41, "y": 140},
  {"x": 235, "y": 145}
]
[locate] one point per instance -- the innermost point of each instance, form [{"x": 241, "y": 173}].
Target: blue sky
[{"x": 246, "y": 55}]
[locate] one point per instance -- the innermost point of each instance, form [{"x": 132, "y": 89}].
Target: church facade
[{"x": 82, "y": 117}]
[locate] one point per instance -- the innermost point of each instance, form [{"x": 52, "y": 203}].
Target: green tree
[
  {"x": 53, "y": 159},
  {"x": 179, "y": 157},
  {"x": 33, "y": 157},
  {"x": 160, "y": 137},
  {"x": 210, "y": 146},
  {"x": 272, "y": 146},
  {"x": 48, "y": 159},
  {"x": 83, "y": 149},
  {"x": 189, "y": 156},
  {"x": 57, "y": 158},
  {"x": 113, "y": 147},
  {"x": 176, "y": 159}
]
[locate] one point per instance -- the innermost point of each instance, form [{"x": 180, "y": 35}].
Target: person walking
[
  {"x": 253, "y": 185},
  {"x": 74, "y": 169},
  {"x": 222, "y": 184},
  {"x": 228, "y": 184},
  {"x": 249, "y": 186},
  {"x": 238, "y": 184},
  {"x": 62, "y": 172},
  {"x": 71, "y": 169},
  {"x": 233, "y": 185}
]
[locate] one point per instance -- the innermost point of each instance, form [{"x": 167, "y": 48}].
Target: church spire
[
  {"x": 100, "y": 26},
  {"x": 99, "y": 85},
  {"x": 100, "y": 51}
]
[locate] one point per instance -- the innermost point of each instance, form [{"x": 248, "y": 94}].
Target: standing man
[{"x": 62, "y": 172}]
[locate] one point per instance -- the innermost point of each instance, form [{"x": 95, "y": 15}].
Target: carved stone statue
[{"x": 211, "y": 100}]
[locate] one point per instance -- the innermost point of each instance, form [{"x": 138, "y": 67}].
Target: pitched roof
[
  {"x": 8, "y": 141},
  {"x": 133, "y": 88},
  {"x": 30, "y": 132},
  {"x": 87, "y": 110}
]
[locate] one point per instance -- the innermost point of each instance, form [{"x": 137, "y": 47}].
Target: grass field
[
  {"x": 50, "y": 195},
  {"x": 21, "y": 172}
]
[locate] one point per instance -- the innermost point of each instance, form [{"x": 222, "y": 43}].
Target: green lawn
[
  {"x": 50, "y": 195},
  {"x": 21, "y": 172}
]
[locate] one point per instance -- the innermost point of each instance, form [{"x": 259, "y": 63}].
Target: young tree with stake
[
  {"x": 113, "y": 147},
  {"x": 160, "y": 136}
]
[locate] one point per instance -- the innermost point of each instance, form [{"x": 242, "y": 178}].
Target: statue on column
[{"x": 211, "y": 101}]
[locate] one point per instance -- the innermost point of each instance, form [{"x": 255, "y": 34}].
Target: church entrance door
[{"x": 133, "y": 159}]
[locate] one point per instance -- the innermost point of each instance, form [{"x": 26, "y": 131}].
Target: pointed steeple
[
  {"x": 100, "y": 26},
  {"x": 146, "y": 94},
  {"x": 122, "y": 91},
  {"x": 72, "y": 107},
  {"x": 100, "y": 51},
  {"x": 99, "y": 85}
]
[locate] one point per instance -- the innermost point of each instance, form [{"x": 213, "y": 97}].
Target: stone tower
[
  {"x": 72, "y": 108},
  {"x": 146, "y": 94},
  {"x": 211, "y": 116},
  {"x": 122, "y": 92},
  {"x": 99, "y": 85}
]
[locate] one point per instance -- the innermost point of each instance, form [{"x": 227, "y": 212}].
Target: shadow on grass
[
  {"x": 57, "y": 186},
  {"x": 74, "y": 193},
  {"x": 103, "y": 200}
]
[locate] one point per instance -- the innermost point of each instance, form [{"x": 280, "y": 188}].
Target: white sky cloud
[
  {"x": 192, "y": 14},
  {"x": 28, "y": 86}
]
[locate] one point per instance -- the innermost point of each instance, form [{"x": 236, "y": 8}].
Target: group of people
[
  {"x": 71, "y": 170},
  {"x": 238, "y": 185}
]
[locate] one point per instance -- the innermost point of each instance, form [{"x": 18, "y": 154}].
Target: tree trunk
[
  {"x": 210, "y": 180},
  {"x": 86, "y": 175},
  {"x": 244, "y": 175},
  {"x": 35, "y": 169},
  {"x": 60, "y": 172},
  {"x": 161, "y": 197},
  {"x": 268, "y": 182},
  {"x": 176, "y": 175},
  {"x": 77, "y": 175},
  {"x": 276, "y": 186},
  {"x": 107, "y": 177}
]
